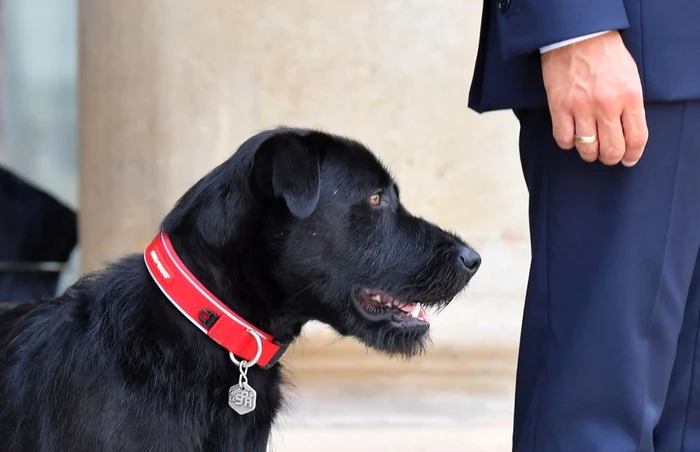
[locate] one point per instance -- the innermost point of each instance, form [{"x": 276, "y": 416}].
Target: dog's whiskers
[{"x": 310, "y": 286}]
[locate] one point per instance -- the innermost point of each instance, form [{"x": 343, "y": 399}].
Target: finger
[
  {"x": 563, "y": 129},
  {"x": 636, "y": 133},
  {"x": 612, "y": 140},
  {"x": 586, "y": 127}
]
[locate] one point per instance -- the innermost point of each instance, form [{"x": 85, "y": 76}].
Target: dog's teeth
[
  {"x": 376, "y": 298},
  {"x": 416, "y": 311}
]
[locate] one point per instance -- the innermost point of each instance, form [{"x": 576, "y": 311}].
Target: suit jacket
[
  {"x": 663, "y": 36},
  {"x": 34, "y": 227}
]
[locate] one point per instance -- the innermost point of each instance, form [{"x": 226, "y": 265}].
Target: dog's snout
[{"x": 470, "y": 259}]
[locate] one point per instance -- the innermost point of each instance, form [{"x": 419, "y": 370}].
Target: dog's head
[{"x": 310, "y": 226}]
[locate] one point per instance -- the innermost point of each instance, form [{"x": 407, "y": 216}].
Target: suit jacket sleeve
[{"x": 527, "y": 25}]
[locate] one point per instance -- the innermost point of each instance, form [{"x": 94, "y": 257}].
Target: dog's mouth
[{"x": 377, "y": 305}]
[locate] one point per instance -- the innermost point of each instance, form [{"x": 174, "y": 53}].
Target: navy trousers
[{"x": 609, "y": 356}]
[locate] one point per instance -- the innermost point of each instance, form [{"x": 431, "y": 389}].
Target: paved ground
[
  {"x": 478, "y": 438},
  {"x": 422, "y": 418},
  {"x": 465, "y": 408}
]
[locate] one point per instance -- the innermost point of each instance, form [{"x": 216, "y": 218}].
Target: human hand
[{"x": 593, "y": 87}]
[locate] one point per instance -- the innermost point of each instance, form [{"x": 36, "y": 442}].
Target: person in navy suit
[{"x": 609, "y": 356}]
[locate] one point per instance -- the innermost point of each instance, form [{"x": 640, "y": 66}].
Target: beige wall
[{"x": 169, "y": 89}]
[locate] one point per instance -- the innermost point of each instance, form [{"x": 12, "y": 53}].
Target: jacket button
[{"x": 503, "y": 5}]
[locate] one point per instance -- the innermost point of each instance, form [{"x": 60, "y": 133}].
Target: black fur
[{"x": 283, "y": 233}]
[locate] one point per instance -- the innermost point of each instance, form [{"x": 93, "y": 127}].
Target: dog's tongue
[{"x": 415, "y": 310}]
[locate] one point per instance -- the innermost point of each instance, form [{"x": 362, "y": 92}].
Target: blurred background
[{"x": 111, "y": 109}]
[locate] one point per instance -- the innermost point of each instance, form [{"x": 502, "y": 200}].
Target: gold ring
[{"x": 589, "y": 139}]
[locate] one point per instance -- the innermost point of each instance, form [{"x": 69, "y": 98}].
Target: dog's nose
[{"x": 470, "y": 259}]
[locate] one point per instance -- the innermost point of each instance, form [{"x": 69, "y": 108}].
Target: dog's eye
[{"x": 375, "y": 199}]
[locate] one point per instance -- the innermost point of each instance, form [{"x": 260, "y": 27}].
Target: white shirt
[{"x": 556, "y": 45}]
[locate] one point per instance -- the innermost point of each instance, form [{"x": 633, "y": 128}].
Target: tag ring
[{"x": 258, "y": 353}]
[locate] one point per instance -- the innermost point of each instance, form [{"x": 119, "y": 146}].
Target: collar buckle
[{"x": 277, "y": 356}]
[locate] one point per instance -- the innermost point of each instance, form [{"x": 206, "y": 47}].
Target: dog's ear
[
  {"x": 288, "y": 166},
  {"x": 279, "y": 163}
]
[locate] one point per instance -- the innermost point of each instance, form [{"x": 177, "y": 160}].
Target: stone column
[{"x": 163, "y": 99}]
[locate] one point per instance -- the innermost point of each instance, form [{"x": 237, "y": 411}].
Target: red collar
[{"x": 206, "y": 311}]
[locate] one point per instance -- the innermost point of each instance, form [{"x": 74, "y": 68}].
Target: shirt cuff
[{"x": 557, "y": 45}]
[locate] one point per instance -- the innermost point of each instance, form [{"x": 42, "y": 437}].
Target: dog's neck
[{"x": 234, "y": 278}]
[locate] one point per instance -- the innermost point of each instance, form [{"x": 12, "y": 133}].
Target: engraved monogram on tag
[{"x": 241, "y": 398}]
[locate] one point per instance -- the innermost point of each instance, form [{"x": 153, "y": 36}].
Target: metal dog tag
[{"x": 242, "y": 397}]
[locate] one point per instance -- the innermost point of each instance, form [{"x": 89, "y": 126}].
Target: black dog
[{"x": 297, "y": 225}]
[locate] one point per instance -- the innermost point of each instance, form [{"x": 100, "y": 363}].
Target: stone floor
[
  {"x": 484, "y": 429},
  {"x": 415, "y": 417},
  {"x": 490, "y": 437},
  {"x": 454, "y": 404}
]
